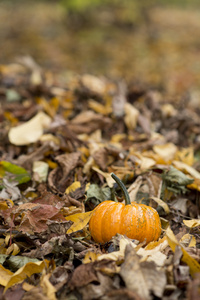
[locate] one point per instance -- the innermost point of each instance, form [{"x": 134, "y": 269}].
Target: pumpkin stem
[{"x": 123, "y": 188}]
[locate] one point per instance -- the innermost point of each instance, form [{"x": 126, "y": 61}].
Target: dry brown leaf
[
  {"x": 87, "y": 122},
  {"x": 58, "y": 178},
  {"x": 142, "y": 278}
]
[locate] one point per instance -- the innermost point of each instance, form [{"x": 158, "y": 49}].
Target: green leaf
[
  {"x": 13, "y": 172},
  {"x": 12, "y": 96},
  {"x": 15, "y": 262},
  {"x": 98, "y": 194},
  {"x": 175, "y": 181}
]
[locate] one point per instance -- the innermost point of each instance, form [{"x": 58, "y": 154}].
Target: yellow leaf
[
  {"x": 154, "y": 244},
  {"x": 52, "y": 164},
  {"x": 144, "y": 162},
  {"x": 26, "y": 271},
  {"x": 99, "y": 108},
  {"x": 7, "y": 238},
  {"x": 162, "y": 204},
  {"x": 189, "y": 240},
  {"x": 107, "y": 176},
  {"x": 131, "y": 116},
  {"x": 5, "y": 275},
  {"x": 80, "y": 221},
  {"x": 166, "y": 151},
  {"x": 116, "y": 138},
  {"x": 168, "y": 110},
  {"x": 186, "y": 169},
  {"x": 13, "y": 249},
  {"x": 10, "y": 117},
  {"x": 191, "y": 262},
  {"x": 186, "y": 155},
  {"x": 5, "y": 204},
  {"x": 74, "y": 186},
  {"x": 90, "y": 257},
  {"x": 50, "y": 107},
  {"x": 48, "y": 288},
  {"x": 192, "y": 223},
  {"x": 27, "y": 287},
  {"x": 195, "y": 185}
]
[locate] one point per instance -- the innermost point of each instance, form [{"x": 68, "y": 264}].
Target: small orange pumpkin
[{"x": 136, "y": 221}]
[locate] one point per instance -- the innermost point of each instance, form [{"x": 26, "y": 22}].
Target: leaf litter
[{"x": 60, "y": 143}]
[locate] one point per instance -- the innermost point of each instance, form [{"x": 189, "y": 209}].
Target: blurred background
[{"x": 150, "y": 41}]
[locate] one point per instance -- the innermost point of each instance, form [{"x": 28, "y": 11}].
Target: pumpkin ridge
[
  {"x": 111, "y": 217},
  {"x": 96, "y": 223}
]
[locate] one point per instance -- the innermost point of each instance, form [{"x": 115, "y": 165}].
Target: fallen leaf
[
  {"x": 58, "y": 177},
  {"x": 88, "y": 121},
  {"x": 99, "y": 108},
  {"x": 162, "y": 204},
  {"x": 98, "y": 193},
  {"x": 14, "y": 172},
  {"x": 131, "y": 116},
  {"x": 192, "y": 223},
  {"x": 40, "y": 170},
  {"x": 15, "y": 262},
  {"x": 5, "y": 204},
  {"x": 27, "y": 270},
  {"x": 75, "y": 185},
  {"x": 191, "y": 262},
  {"x": 166, "y": 151},
  {"x": 188, "y": 240},
  {"x": 5, "y": 275},
  {"x": 13, "y": 249},
  {"x": 82, "y": 275},
  {"x": 35, "y": 293},
  {"x": 30, "y": 131},
  {"x": 93, "y": 84},
  {"x": 35, "y": 216},
  {"x": 80, "y": 221},
  {"x": 109, "y": 179},
  {"x": 90, "y": 257},
  {"x": 142, "y": 277},
  {"x": 48, "y": 289},
  {"x": 186, "y": 168},
  {"x": 10, "y": 190}
]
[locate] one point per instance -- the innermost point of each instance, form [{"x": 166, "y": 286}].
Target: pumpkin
[{"x": 136, "y": 221}]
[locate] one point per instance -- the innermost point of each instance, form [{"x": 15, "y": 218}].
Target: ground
[{"x": 84, "y": 96}]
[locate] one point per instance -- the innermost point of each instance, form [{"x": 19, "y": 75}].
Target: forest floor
[{"x": 78, "y": 103}]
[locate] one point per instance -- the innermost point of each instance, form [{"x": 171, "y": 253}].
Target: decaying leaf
[
  {"x": 34, "y": 216},
  {"x": 27, "y": 270},
  {"x": 142, "y": 278},
  {"x": 48, "y": 289},
  {"x": 97, "y": 193},
  {"x": 176, "y": 181},
  {"x": 191, "y": 262},
  {"x": 152, "y": 251}
]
